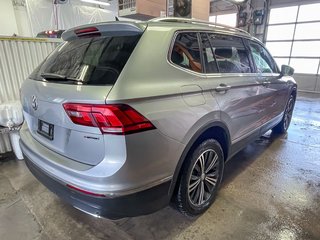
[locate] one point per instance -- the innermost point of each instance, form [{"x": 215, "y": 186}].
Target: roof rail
[{"x": 197, "y": 21}]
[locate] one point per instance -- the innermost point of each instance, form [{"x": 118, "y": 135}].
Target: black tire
[
  {"x": 283, "y": 126},
  {"x": 209, "y": 179}
]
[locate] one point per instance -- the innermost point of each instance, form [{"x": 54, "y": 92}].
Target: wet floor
[{"x": 271, "y": 190}]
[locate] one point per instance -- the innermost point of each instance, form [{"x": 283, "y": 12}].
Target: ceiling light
[{"x": 96, "y": 2}]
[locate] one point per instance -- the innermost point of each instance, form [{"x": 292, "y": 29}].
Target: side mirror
[{"x": 286, "y": 70}]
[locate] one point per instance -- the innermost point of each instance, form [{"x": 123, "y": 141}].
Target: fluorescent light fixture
[
  {"x": 96, "y": 2},
  {"x": 239, "y": 1}
]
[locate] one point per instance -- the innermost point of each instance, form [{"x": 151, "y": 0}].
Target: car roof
[{"x": 167, "y": 23}]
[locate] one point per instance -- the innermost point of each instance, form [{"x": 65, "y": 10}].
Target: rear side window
[
  {"x": 262, "y": 59},
  {"x": 186, "y": 52},
  {"x": 230, "y": 53},
  {"x": 91, "y": 61}
]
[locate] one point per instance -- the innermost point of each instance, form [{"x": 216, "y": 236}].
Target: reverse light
[{"x": 119, "y": 119}]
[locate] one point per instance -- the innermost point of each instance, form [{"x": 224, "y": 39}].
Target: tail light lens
[{"x": 117, "y": 119}]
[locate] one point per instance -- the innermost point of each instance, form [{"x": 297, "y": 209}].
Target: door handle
[
  {"x": 222, "y": 88},
  {"x": 266, "y": 83}
]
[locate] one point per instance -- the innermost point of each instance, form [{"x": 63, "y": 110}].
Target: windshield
[{"x": 91, "y": 61}]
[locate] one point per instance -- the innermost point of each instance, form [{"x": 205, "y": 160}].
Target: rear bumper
[
  {"x": 118, "y": 174},
  {"x": 131, "y": 205}
]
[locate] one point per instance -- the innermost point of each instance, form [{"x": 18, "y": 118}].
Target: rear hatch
[{"x": 83, "y": 69}]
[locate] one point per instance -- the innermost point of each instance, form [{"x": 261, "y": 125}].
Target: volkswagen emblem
[{"x": 34, "y": 103}]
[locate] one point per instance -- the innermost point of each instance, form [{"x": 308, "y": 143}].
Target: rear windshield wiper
[{"x": 58, "y": 77}]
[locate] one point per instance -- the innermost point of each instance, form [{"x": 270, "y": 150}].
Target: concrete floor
[{"x": 271, "y": 190}]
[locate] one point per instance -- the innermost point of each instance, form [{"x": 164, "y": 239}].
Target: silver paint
[{"x": 178, "y": 102}]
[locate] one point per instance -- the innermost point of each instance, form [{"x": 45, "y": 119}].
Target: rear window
[{"x": 91, "y": 61}]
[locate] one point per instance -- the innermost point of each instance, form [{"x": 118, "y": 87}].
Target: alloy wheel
[
  {"x": 288, "y": 113},
  {"x": 203, "y": 178}
]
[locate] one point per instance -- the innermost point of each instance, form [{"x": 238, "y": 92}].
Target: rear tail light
[
  {"x": 88, "y": 32},
  {"x": 117, "y": 119}
]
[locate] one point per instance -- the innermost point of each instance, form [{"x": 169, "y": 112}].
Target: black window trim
[
  {"x": 203, "y": 67},
  {"x": 202, "y": 53},
  {"x": 246, "y": 43},
  {"x": 214, "y": 55}
]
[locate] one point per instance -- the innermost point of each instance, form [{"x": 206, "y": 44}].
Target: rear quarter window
[{"x": 186, "y": 52}]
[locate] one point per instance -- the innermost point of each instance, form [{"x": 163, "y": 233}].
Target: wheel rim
[
  {"x": 203, "y": 178},
  {"x": 288, "y": 113}
]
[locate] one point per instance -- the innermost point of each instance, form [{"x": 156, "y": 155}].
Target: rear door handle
[
  {"x": 222, "y": 88},
  {"x": 266, "y": 83}
]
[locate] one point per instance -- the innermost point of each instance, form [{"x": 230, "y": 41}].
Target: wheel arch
[{"x": 215, "y": 130}]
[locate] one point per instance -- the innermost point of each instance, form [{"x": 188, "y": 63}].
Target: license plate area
[{"x": 45, "y": 129}]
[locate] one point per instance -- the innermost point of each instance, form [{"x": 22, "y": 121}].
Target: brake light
[
  {"x": 88, "y": 32},
  {"x": 117, "y": 119}
]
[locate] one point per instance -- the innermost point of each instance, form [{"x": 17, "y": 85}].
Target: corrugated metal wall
[{"x": 18, "y": 58}]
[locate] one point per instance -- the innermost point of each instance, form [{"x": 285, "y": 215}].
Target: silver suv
[{"x": 124, "y": 118}]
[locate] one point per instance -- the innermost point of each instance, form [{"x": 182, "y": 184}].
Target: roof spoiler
[{"x": 115, "y": 28}]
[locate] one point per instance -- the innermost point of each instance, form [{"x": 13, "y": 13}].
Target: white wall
[
  {"x": 18, "y": 58},
  {"x": 23, "y": 23},
  {"x": 308, "y": 82},
  {"x": 8, "y": 24},
  {"x": 74, "y": 13},
  {"x": 38, "y": 15}
]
